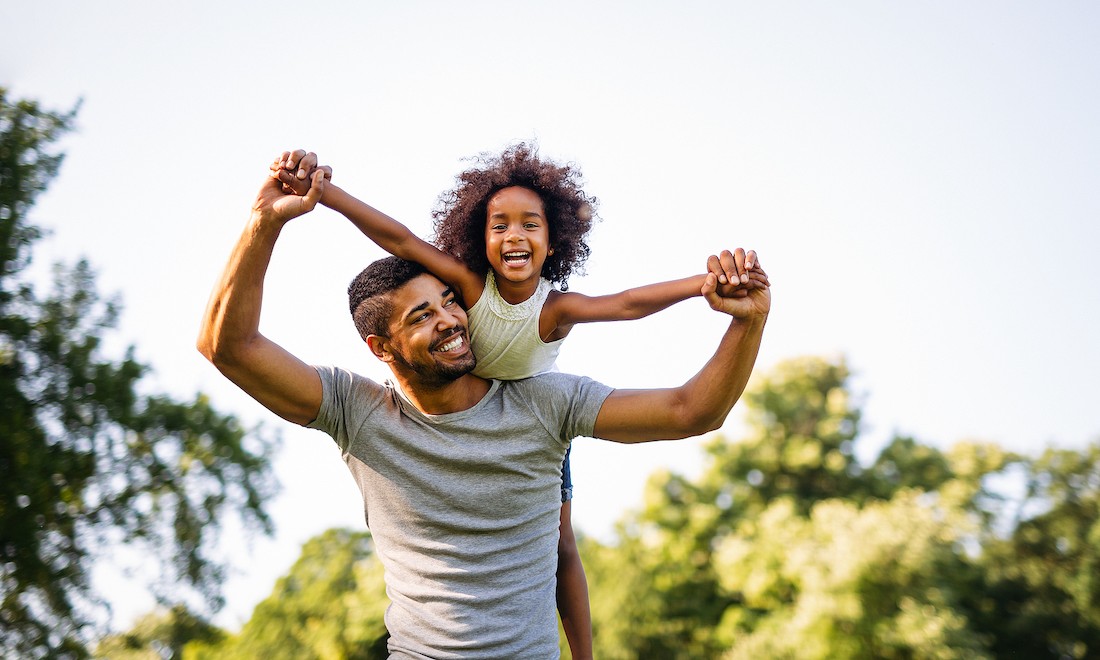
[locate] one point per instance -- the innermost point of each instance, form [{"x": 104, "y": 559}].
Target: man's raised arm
[
  {"x": 230, "y": 336},
  {"x": 701, "y": 404}
]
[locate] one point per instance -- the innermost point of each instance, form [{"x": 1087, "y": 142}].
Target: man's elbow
[
  {"x": 708, "y": 425},
  {"x": 216, "y": 352},
  {"x": 700, "y": 422},
  {"x": 205, "y": 345}
]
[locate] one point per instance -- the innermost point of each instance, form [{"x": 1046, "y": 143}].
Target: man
[{"x": 460, "y": 476}]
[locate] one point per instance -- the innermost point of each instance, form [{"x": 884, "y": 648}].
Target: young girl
[{"x": 515, "y": 226}]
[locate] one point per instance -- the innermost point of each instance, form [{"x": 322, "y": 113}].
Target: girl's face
[{"x": 517, "y": 236}]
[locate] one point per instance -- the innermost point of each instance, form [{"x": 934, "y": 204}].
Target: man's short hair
[{"x": 369, "y": 296}]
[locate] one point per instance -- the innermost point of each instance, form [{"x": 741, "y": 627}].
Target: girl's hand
[
  {"x": 737, "y": 269},
  {"x": 295, "y": 169}
]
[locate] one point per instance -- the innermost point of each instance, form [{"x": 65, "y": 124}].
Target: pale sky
[{"x": 921, "y": 180}]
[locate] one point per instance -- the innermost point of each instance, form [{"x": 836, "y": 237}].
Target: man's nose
[{"x": 449, "y": 319}]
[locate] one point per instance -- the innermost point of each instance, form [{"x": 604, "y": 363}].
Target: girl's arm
[
  {"x": 563, "y": 310},
  {"x": 398, "y": 240},
  {"x": 389, "y": 234}
]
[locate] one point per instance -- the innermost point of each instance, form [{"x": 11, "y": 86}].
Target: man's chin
[
  {"x": 437, "y": 371},
  {"x": 455, "y": 370}
]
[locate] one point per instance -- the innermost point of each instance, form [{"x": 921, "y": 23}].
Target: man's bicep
[
  {"x": 640, "y": 416},
  {"x": 278, "y": 380}
]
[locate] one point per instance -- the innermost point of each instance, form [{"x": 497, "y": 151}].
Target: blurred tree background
[
  {"x": 89, "y": 459},
  {"x": 785, "y": 545}
]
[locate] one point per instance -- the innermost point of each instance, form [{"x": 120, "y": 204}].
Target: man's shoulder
[{"x": 342, "y": 386}]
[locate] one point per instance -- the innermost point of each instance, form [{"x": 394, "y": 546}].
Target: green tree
[
  {"x": 877, "y": 581},
  {"x": 159, "y": 635},
  {"x": 1039, "y": 594},
  {"x": 330, "y": 606},
  {"x": 87, "y": 460}
]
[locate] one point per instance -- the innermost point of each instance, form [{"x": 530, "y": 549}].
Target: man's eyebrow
[
  {"x": 422, "y": 306},
  {"x": 446, "y": 293}
]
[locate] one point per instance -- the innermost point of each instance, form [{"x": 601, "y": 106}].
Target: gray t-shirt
[{"x": 464, "y": 507}]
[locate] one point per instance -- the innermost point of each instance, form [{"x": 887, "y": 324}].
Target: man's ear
[{"x": 380, "y": 346}]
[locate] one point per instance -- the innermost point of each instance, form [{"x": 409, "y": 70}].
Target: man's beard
[{"x": 438, "y": 373}]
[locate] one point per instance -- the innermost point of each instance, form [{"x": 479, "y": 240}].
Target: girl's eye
[
  {"x": 498, "y": 227},
  {"x": 531, "y": 225}
]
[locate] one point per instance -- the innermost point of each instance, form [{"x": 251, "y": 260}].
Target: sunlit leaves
[{"x": 88, "y": 457}]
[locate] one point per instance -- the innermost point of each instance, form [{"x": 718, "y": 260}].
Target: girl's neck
[{"x": 516, "y": 292}]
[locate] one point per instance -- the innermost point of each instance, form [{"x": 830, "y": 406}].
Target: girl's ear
[
  {"x": 550, "y": 252},
  {"x": 379, "y": 345}
]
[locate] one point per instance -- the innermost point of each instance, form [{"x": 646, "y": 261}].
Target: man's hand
[
  {"x": 295, "y": 170},
  {"x": 751, "y": 296},
  {"x": 274, "y": 204}
]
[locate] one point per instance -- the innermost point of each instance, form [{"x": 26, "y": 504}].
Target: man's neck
[{"x": 457, "y": 395}]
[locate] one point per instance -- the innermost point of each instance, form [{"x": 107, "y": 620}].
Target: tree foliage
[
  {"x": 161, "y": 634},
  {"x": 330, "y": 606},
  {"x": 89, "y": 460}
]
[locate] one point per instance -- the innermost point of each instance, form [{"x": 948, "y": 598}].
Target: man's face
[{"x": 428, "y": 333}]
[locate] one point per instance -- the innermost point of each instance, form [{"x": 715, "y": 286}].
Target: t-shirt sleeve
[
  {"x": 347, "y": 401},
  {"x": 566, "y": 404}
]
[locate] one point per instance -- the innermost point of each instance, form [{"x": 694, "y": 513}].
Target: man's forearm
[
  {"x": 698, "y": 406},
  {"x": 712, "y": 393},
  {"x": 232, "y": 316}
]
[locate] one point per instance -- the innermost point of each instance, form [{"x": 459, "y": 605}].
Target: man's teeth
[{"x": 451, "y": 345}]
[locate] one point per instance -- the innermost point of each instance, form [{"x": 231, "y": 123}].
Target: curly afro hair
[{"x": 460, "y": 214}]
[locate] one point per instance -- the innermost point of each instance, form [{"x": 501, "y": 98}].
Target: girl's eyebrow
[{"x": 526, "y": 214}]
